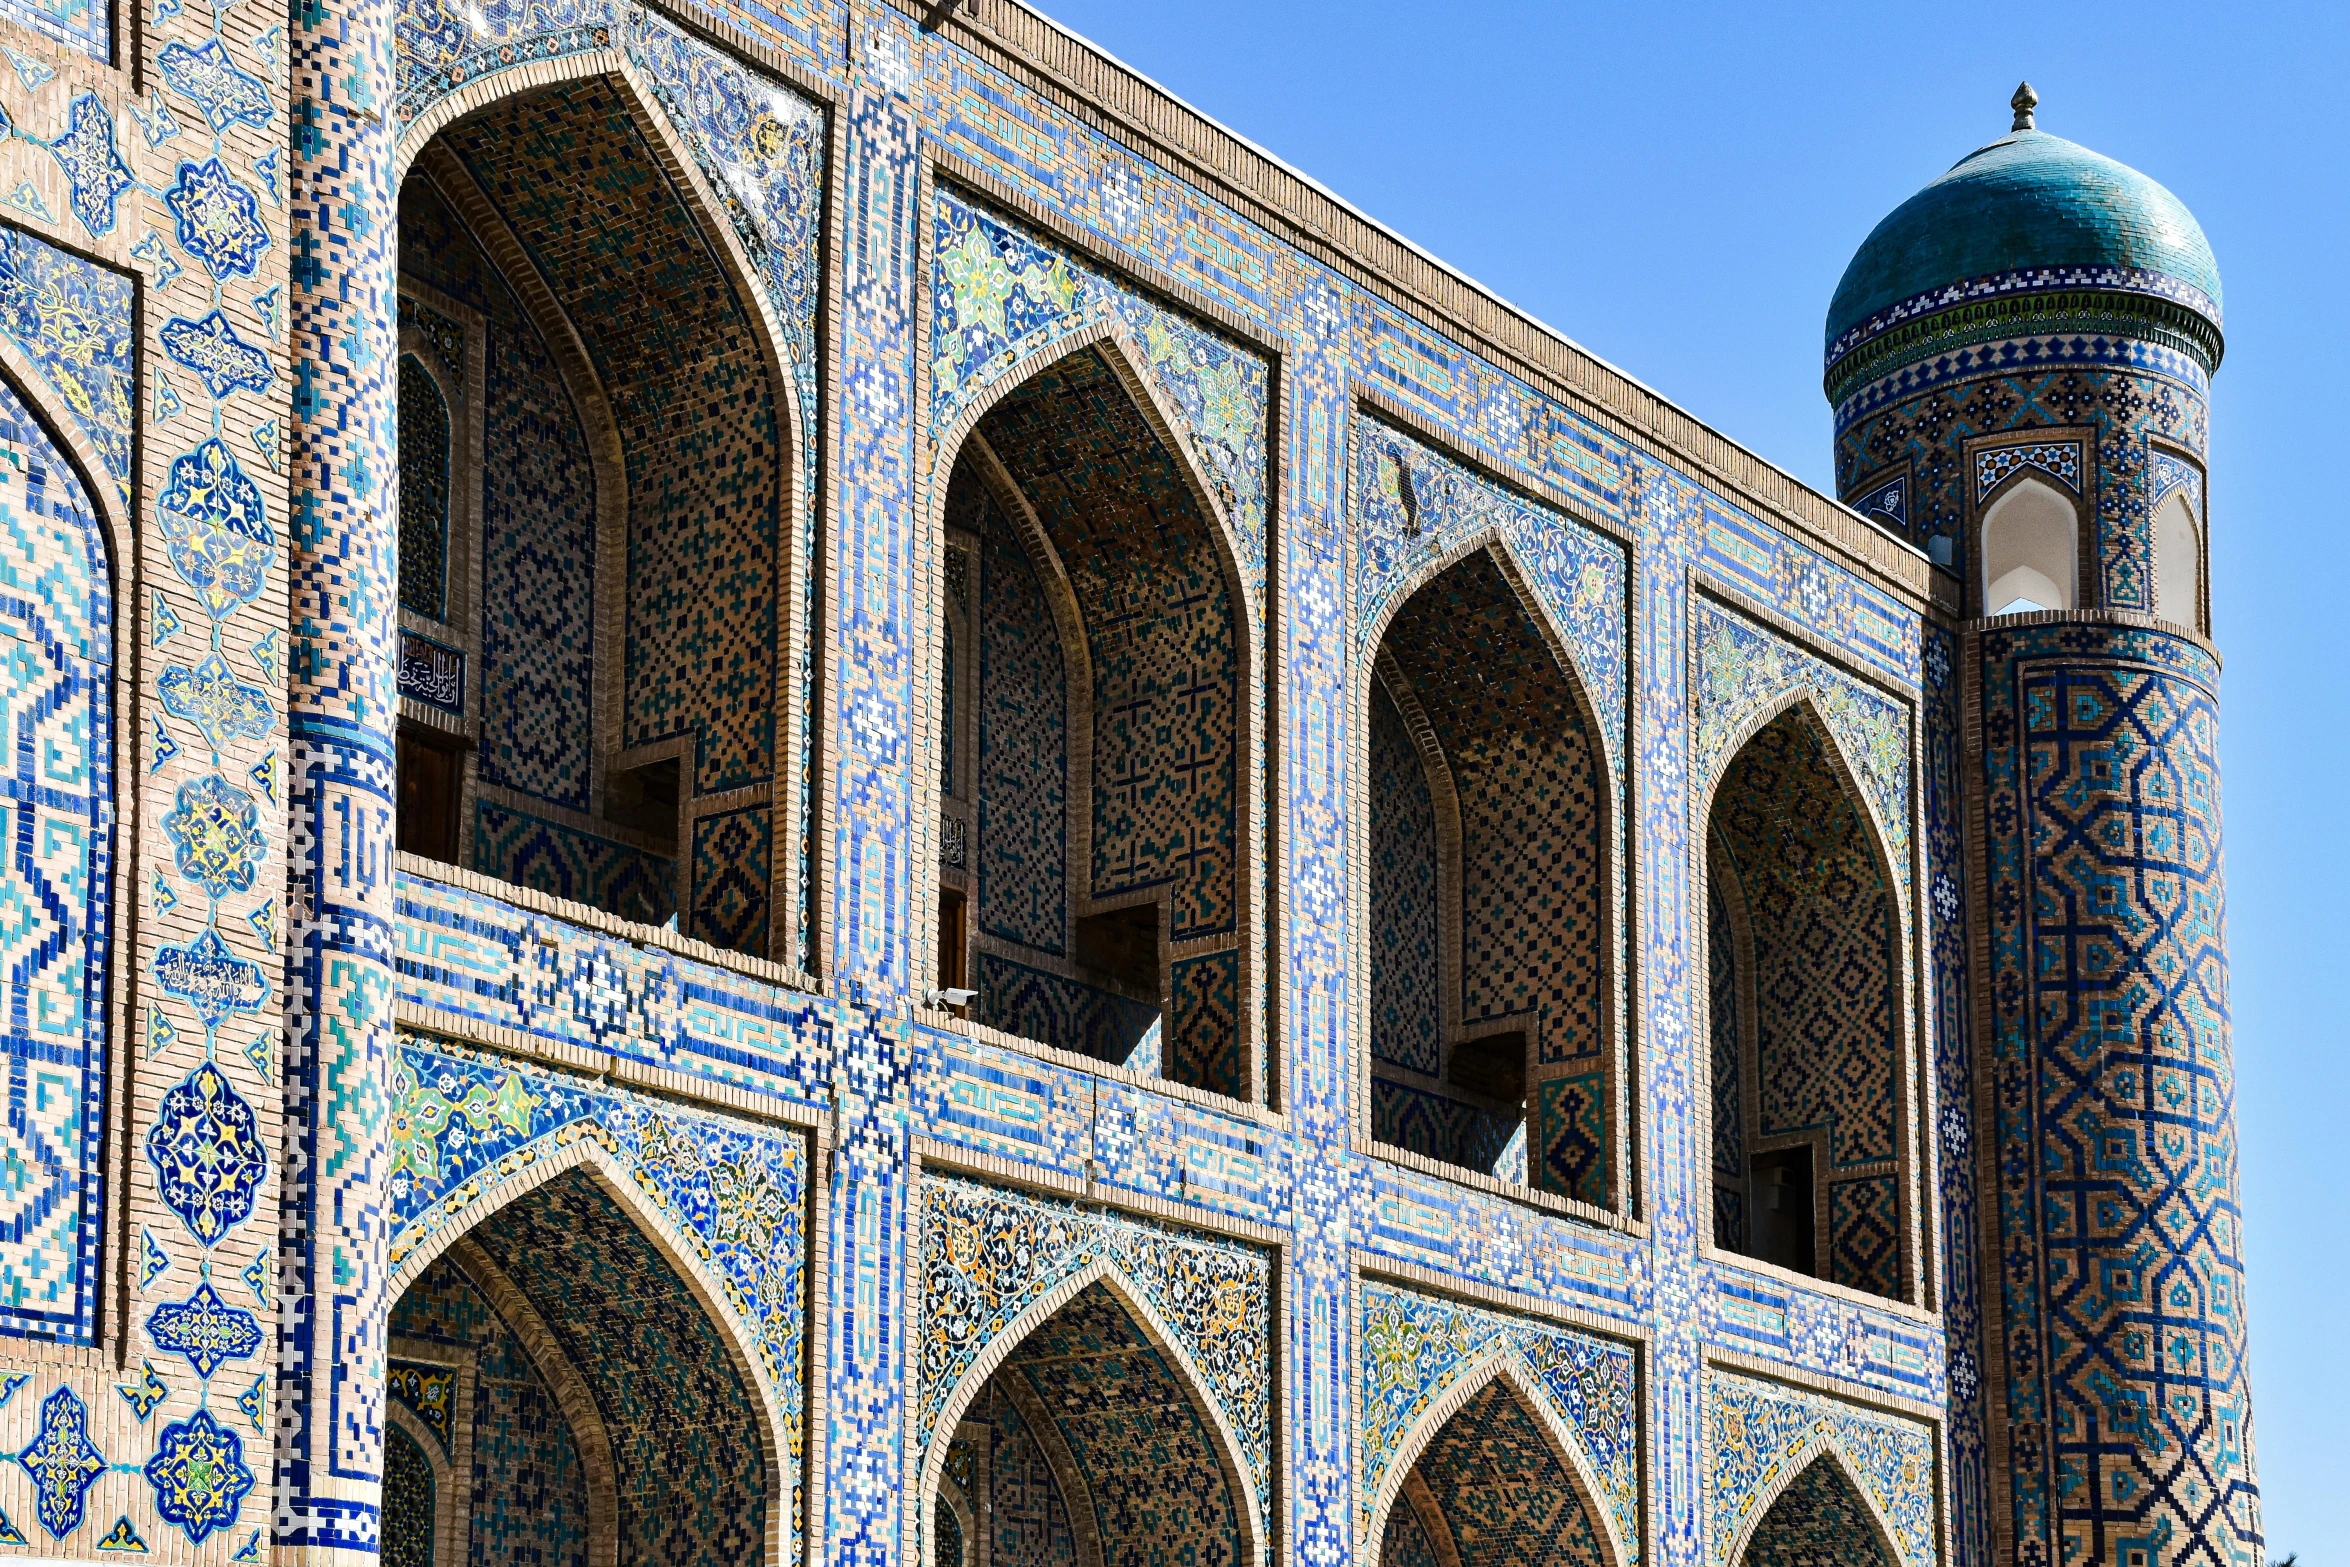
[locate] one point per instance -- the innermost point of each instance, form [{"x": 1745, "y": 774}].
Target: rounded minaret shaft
[{"x": 2020, "y": 362}]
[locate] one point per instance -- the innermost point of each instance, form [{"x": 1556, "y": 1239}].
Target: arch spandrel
[
  {"x": 1005, "y": 302},
  {"x": 1759, "y": 1436},
  {"x": 1423, "y": 1357},
  {"x": 995, "y": 1265},
  {"x": 1746, "y": 677},
  {"x": 1419, "y": 511}
]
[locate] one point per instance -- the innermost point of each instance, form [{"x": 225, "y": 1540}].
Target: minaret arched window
[
  {"x": 424, "y": 491},
  {"x": 2031, "y": 557},
  {"x": 2178, "y": 561}
]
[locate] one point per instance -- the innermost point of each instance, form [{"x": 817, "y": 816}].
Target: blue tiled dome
[{"x": 2029, "y": 202}]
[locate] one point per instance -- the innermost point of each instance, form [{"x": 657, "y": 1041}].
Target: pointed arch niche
[
  {"x": 1807, "y": 1012},
  {"x": 554, "y": 1353},
  {"x": 1098, "y": 729},
  {"x": 1820, "y": 1515},
  {"x": 606, "y": 558},
  {"x": 1490, "y": 1479},
  {"x": 1490, "y": 900}
]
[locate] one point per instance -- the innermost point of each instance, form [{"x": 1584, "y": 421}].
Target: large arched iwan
[
  {"x": 1805, "y": 1013},
  {"x": 610, "y": 1420},
  {"x": 1089, "y": 1444},
  {"x": 1097, "y": 739}
]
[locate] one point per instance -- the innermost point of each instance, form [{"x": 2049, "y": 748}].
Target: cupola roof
[{"x": 2033, "y": 212}]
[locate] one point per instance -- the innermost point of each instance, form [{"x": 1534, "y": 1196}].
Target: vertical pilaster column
[
  {"x": 870, "y": 1301},
  {"x": 1313, "y": 1054},
  {"x": 1669, "y": 521},
  {"x": 341, "y": 707}
]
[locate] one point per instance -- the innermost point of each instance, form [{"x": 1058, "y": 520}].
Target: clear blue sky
[{"x": 1678, "y": 191}]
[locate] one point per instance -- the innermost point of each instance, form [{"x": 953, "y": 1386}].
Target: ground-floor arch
[
  {"x": 1487, "y": 1479},
  {"x": 1821, "y": 1519},
  {"x": 1088, "y": 1444},
  {"x": 570, "y": 1374}
]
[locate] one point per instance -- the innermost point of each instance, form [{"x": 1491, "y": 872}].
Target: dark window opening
[
  {"x": 1492, "y": 1067},
  {"x": 1782, "y": 1187},
  {"x": 645, "y": 798},
  {"x": 952, "y": 970},
  {"x": 432, "y": 770},
  {"x": 1120, "y": 949}
]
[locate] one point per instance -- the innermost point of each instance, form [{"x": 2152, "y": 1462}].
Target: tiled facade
[{"x": 819, "y": 465}]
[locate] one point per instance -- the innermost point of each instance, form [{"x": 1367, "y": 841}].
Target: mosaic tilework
[
  {"x": 1827, "y": 989},
  {"x": 72, "y": 319},
  {"x": 1000, "y": 295},
  {"x": 1725, "y": 1062},
  {"x": 987, "y": 1256},
  {"x": 478, "y": 957},
  {"x": 56, "y": 799},
  {"x": 1415, "y": 1347},
  {"x": 1131, "y": 1429},
  {"x": 1406, "y": 1543},
  {"x": 686, "y": 1455},
  {"x": 1818, "y": 1521},
  {"x": 2126, "y": 1406},
  {"x": 1531, "y": 782},
  {"x": 1965, "y": 1220},
  {"x": 526, "y": 1499},
  {"x": 2122, "y": 407},
  {"x": 408, "y": 1502},
  {"x": 1205, "y": 1030},
  {"x": 86, "y": 25},
  {"x": 1023, "y": 750},
  {"x": 1066, "y": 1013},
  {"x": 730, "y": 878},
  {"x": 675, "y": 351},
  {"x": 1033, "y": 1527},
  {"x": 1756, "y": 1432},
  {"x": 550, "y": 857},
  {"x": 1406, "y": 1017},
  {"x": 1503, "y": 1492}
]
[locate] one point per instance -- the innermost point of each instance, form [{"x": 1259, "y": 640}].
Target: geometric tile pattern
[
  {"x": 82, "y": 24},
  {"x": 1130, "y": 1427},
  {"x": 1742, "y": 669},
  {"x": 538, "y": 525},
  {"x": 1406, "y": 1017},
  {"x": 1502, "y": 1491},
  {"x": 72, "y": 319},
  {"x": 1532, "y": 873},
  {"x": 57, "y": 814},
  {"x": 988, "y": 1255},
  {"x": 1725, "y": 1065},
  {"x": 686, "y": 1455},
  {"x": 1818, "y": 1521},
  {"x": 2127, "y": 1416},
  {"x": 677, "y": 356},
  {"x": 1820, "y": 939},
  {"x": 1141, "y": 559},
  {"x": 1023, "y": 745},
  {"x": 2123, "y": 407},
  {"x": 1760, "y": 1435},
  {"x": 526, "y": 1500},
  {"x": 462, "y": 1124},
  {"x": 1033, "y": 1526},
  {"x": 1417, "y": 504},
  {"x": 425, "y": 482},
  {"x": 551, "y": 857},
  {"x": 1415, "y": 1347},
  {"x": 408, "y": 1502}
]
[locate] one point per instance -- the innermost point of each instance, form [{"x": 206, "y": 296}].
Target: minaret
[{"x": 2020, "y": 362}]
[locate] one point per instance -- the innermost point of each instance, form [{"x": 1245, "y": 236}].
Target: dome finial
[{"x": 2023, "y": 103}]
